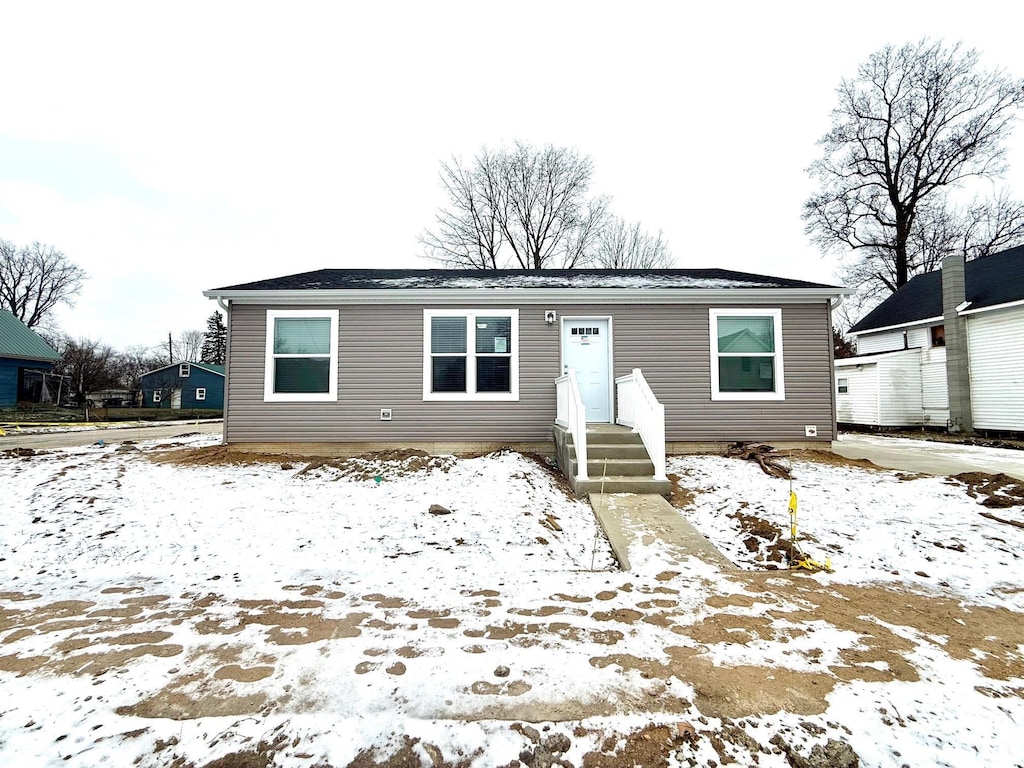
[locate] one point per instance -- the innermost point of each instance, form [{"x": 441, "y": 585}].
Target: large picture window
[
  {"x": 302, "y": 355},
  {"x": 471, "y": 355},
  {"x": 746, "y": 354}
]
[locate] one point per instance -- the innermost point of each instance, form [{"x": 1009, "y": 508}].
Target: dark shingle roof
[
  {"x": 988, "y": 282},
  {"x": 369, "y": 279},
  {"x": 19, "y": 341}
]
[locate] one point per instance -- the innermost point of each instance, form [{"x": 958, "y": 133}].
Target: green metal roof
[{"x": 19, "y": 341}]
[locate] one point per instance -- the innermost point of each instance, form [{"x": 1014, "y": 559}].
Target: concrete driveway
[
  {"x": 109, "y": 434},
  {"x": 930, "y": 457}
]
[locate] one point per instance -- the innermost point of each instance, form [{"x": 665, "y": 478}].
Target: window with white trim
[
  {"x": 200, "y": 393},
  {"x": 157, "y": 394},
  {"x": 746, "y": 354},
  {"x": 184, "y": 371},
  {"x": 843, "y": 386},
  {"x": 471, "y": 354},
  {"x": 301, "y": 355}
]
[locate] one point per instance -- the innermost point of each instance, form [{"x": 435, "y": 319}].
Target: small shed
[
  {"x": 184, "y": 385},
  {"x": 882, "y": 390},
  {"x": 25, "y": 362}
]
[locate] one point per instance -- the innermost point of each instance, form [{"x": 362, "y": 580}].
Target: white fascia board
[
  {"x": 1007, "y": 305},
  {"x": 926, "y": 321},
  {"x": 477, "y": 296},
  {"x": 850, "y": 362}
]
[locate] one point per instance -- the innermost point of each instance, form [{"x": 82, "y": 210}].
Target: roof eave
[
  {"x": 993, "y": 307},
  {"x": 393, "y": 296}
]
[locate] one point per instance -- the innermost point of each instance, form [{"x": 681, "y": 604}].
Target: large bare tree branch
[
  {"x": 915, "y": 122},
  {"x": 522, "y": 208},
  {"x": 36, "y": 278}
]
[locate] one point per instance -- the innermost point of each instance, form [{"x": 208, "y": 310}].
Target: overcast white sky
[{"x": 168, "y": 149}]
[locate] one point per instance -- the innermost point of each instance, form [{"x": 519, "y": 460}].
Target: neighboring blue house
[
  {"x": 24, "y": 360},
  {"x": 184, "y": 385}
]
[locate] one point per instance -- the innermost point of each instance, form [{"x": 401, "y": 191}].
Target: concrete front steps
[{"x": 617, "y": 461}]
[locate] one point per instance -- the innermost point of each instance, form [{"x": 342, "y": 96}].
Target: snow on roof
[{"x": 411, "y": 279}]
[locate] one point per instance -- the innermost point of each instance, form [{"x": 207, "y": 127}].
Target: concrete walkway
[
  {"x": 642, "y": 520},
  {"x": 930, "y": 457}
]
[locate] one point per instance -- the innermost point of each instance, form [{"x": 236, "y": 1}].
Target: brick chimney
[{"x": 958, "y": 374}]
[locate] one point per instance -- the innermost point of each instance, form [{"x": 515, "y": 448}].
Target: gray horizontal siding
[{"x": 381, "y": 366}]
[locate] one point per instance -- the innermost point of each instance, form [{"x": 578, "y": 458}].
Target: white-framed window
[
  {"x": 157, "y": 395},
  {"x": 301, "y": 355},
  {"x": 200, "y": 393},
  {"x": 842, "y": 386},
  {"x": 184, "y": 371},
  {"x": 471, "y": 354},
  {"x": 746, "y": 354}
]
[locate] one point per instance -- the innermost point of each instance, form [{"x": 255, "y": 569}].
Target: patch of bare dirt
[
  {"x": 994, "y": 491},
  {"x": 777, "y": 549},
  {"x": 831, "y": 459},
  {"x": 680, "y": 497}
]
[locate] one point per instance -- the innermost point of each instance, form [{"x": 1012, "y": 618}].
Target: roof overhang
[
  {"x": 31, "y": 358},
  {"x": 768, "y": 295},
  {"x": 994, "y": 307}
]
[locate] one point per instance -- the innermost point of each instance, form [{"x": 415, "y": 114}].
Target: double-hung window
[
  {"x": 746, "y": 354},
  {"x": 471, "y": 354},
  {"x": 302, "y": 355}
]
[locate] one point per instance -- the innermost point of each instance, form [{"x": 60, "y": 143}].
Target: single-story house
[
  {"x": 348, "y": 361},
  {"x": 184, "y": 385},
  {"x": 25, "y": 363},
  {"x": 945, "y": 350}
]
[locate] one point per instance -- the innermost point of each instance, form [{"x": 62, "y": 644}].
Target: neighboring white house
[{"x": 958, "y": 330}]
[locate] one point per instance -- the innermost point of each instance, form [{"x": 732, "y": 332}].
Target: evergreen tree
[{"x": 215, "y": 341}]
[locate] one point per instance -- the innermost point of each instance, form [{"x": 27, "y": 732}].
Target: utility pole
[{"x": 170, "y": 349}]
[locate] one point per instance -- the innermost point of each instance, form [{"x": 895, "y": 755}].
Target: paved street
[{"x": 110, "y": 434}]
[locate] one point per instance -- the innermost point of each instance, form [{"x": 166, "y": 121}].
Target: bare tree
[
  {"x": 915, "y": 122},
  {"x": 130, "y": 364},
  {"x": 468, "y": 234},
  {"x": 188, "y": 346},
  {"x": 36, "y": 278},
  {"x": 89, "y": 365},
  {"x": 520, "y": 208},
  {"x": 622, "y": 245}
]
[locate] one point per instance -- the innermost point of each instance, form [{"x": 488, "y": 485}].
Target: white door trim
[{"x": 563, "y": 319}]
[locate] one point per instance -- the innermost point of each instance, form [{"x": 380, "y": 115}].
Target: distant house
[
  {"x": 25, "y": 362},
  {"x": 945, "y": 350},
  {"x": 184, "y": 385}
]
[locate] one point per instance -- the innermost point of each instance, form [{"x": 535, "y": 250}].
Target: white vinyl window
[
  {"x": 157, "y": 395},
  {"x": 302, "y": 356},
  {"x": 184, "y": 371},
  {"x": 471, "y": 354},
  {"x": 746, "y": 354},
  {"x": 200, "y": 393},
  {"x": 843, "y": 386}
]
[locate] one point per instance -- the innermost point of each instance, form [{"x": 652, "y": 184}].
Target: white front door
[
  {"x": 586, "y": 348},
  {"x": 176, "y": 397}
]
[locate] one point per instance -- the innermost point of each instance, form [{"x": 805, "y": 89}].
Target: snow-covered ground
[{"x": 162, "y": 606}]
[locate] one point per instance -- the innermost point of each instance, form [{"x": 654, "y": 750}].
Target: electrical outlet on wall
[
  {"x": 385, "y": 414},
  {"x": 810, "y": 430}
]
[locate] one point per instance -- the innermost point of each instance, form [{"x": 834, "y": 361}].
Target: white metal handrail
[
  {"x": 639, "y": 408},
  {"x": 572, "y": 414}
]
